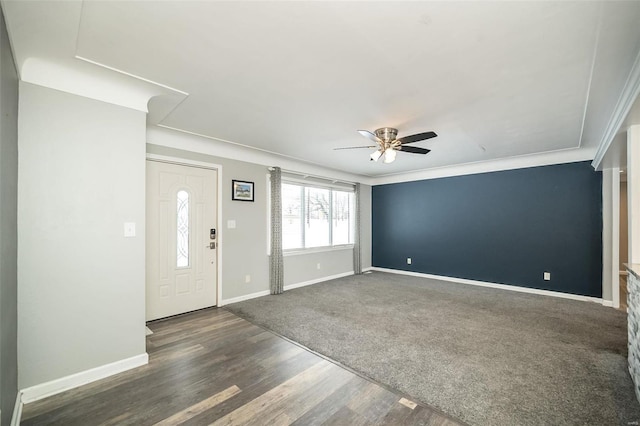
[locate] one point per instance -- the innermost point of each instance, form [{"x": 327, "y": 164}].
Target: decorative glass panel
[{"x": 183, "y": 229}]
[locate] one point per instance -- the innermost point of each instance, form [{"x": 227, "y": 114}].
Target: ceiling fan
[{"x": 387, "y": 144}]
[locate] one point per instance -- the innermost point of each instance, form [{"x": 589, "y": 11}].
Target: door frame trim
[{"x": 218, "y": 168}]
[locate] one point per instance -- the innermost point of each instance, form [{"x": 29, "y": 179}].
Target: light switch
[
  {"x": 129, "y": 229},
  {"x": 231, "y": 224}
]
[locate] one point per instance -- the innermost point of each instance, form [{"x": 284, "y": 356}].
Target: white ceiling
[{"x": 494, "y": 79}]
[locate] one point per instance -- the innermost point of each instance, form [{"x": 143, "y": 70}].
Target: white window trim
[
  {"x": 320, "y": 185},
  {"x": 303, "y": 251},
  {"x": 268, "y": 198}
]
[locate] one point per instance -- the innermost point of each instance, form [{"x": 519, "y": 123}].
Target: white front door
[{"x": 181, "y": 253}]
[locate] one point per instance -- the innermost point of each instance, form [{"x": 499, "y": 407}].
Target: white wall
[
  {"x": 244, "y": 249},
  {"x": 8, "y": 222},
  {"x": 365, "y": 226},
  {"x": 80, "y": 282},
  {"x": 302, "y": 267}
]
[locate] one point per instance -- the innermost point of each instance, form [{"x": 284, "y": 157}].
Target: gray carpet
[{"x": 486, "y": 356}]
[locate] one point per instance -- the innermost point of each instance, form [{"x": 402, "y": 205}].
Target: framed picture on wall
[{"x": 241, "y": 190}]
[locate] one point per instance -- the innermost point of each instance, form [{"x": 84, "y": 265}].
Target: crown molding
[
  {"x": 193, "y": 142},
  {"x": 189, "y": 141},
  {"x": 625, "y": 103},
  {"x": 520, "y": 162}
]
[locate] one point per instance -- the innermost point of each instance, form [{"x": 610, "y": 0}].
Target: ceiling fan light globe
[
  {"x": 389, "y": 155},
  {"x": 376, "y": 155}
]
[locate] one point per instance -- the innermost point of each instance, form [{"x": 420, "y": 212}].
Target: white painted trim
[
  {"x": 518, "y": 162},
  {"x": 493, "y": 285},
  {"x": 607, "y": 234},
  {"x": 179, "y": 139},
  {"x": 286, "y": 287},
  {"x": 615, "y": 237},
  {"x": 43, "y": 390},
  {"x": 268, "y": 213},
  {"x": 16, "y": 418},
  {"x": 370, "y": 268},
  {"x": 81, "y": 81},
  {"x": 218, "y": 169},
  {"x": 189, "y": 141},
  {"x": 220, "y": 237},
  {"x": 629, "y": 94},
  {"x": 182, "y": 161},
  {"x": 317, "y": 280},
  {"x": 325, "y": 182},
  {"x": 302, "y": 252},
  {"x": 607, "y": 303},
  {"x": 244, "y": 297}
]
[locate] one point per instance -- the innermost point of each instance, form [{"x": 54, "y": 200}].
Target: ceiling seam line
[
  {"x": 593, "y": 66},
  {"x": 128, "y": 74},
  {"x": 253, "y": 148},
  {"x": 75, "y": 50}
]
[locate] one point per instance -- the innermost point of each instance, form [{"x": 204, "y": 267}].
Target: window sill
[{"x": 298, "y": 252}]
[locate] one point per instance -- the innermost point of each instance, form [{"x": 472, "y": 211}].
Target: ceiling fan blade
[
  {"x": 367, "y": 134},
  {"x": 414, "y": 149},
  {"x": 417, "y": 137},
  {"x": 355, "y": 147}
]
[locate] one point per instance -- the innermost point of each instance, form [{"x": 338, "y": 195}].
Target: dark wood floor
[{"x": 211, "y": 367}]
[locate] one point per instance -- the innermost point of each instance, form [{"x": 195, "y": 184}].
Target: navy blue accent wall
[{"x": 503, "y": 227}]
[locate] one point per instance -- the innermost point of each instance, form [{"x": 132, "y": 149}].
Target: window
[
  {"x": 342, "y": 224},
  {"x": 292, "y": 217},
  {"x": 315, "y": 217}
]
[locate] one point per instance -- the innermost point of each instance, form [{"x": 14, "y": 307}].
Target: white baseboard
[
  {"x": 17, "y": 411},
  {"x": 495, "y": 285},
  {"x": 243, "y": 298},
  {"x": 286, "y": 287},
  {"x": 607, "y": 303},
  {"x": 43, "y": 390},
  {"x": 317, "y": 280}
]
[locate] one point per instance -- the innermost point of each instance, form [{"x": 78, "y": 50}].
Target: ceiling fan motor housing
[{"x": 387, "y": 134}]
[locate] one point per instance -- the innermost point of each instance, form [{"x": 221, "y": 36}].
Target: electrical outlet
[
  {"x": 408, "y": 261},
  {"x": 318, "y": 266},
  {"x": 547, "y": 276},
  {"x": 247, "y": 278}
]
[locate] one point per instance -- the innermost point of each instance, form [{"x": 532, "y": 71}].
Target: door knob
[{"x": 211, "y": 245}]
